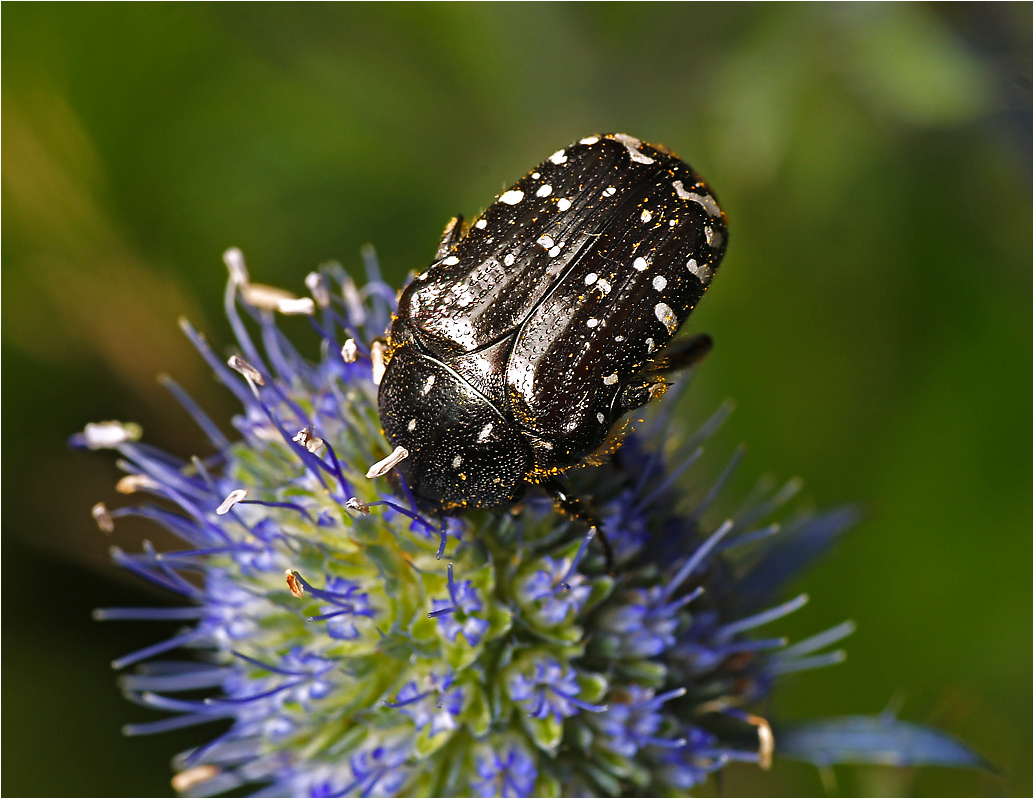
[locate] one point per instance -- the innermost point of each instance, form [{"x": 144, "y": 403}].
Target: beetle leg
[
  {"x": 576, "y": 509},
  {"x": 454, "y": 231},
  {"x": 683, "y": 355}
]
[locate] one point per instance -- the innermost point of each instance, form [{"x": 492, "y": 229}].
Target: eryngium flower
[{"x": 357, "y": 645}]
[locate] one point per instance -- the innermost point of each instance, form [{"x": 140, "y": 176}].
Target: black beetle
[{"x": 516, "y": 353}]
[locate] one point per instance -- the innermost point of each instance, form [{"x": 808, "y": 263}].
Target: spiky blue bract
[{"x": 348, "y": 659}]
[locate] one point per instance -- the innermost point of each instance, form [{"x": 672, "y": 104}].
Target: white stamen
[
  {"x": 267, "y": 298},
  {"x": 377, "y": 359},
  {"x": 251, "y": 374},
  {"x": 232, "y": 499},
  {"x": 308, "y": 440},
  {"x": 234, "y": 260},
  {"x": 349, "y": 352},
  {"x": 193, "y": 777},
  {"x": 108, "y": 435},
  {"x": 297, "y": 307},
  {"x": 382, "y": 467},
  {"x": 356, "y": 505},
  {"x": 132, "y": 483},
  {"x": 103, "y": 518},
  {"x": 766, "y": 740},
  {"x": 318, "y": 286},
  {"x": 353, "y": 302},
  {"x": 512, "y": 197},
  {"x": 294, "y": 583}
]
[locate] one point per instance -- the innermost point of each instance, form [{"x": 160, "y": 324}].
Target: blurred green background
[{"x": 872, "y": 318}]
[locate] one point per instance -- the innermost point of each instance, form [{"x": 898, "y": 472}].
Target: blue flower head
[{"x": 352, "y": 644}]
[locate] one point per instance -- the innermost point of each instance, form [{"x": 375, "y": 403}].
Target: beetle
[{"x": 516, "y": 354}]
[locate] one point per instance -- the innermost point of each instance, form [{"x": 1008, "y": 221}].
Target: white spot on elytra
[
  {"x": 672, "y": 222},
  {"x": 702, "y": 272},
  {"x": 512, "y": 197},
  {"x": 632, "y": 144},
  {"x": 545, "y": 242},
  {"x": 544, "y": 190},
  {"x": 649, "y": 346},
  {"x": 559, "y": 157},
  {"x": 660, "y": 282},
  {"x": 603, "y": 286},
  {"x": 610, "y": 379},
  {"x": 535, "y": 175},
  {"x": 452, "y": 260},
  {"x": 600, "y": 418},
  {"x": 457, "y": 462},
  {"x": 640, "y": 264},
  {"x": 646, "y": 216},
  {"x": 554, "y": 251},
  {"x": 563, "y": 204},
  {"x": 619, "y": 339},
  {"x": 706, "y": 201},
  {"x": 508, "y": 259},
  {"x": 666, "y": 316},
  {"x": 428, "y": 385},
  {"x": 486, "y": 431},
  {"x": 481, "y": 224},
  {"x": 610, "y": 191},
  {"x": 714, "y": 237},
  {"x": 592, "y": 322},
  {"x": 589, "y": 140},
  {"x": 411, "y": 426},
  {"x": 590, "y": 278}
]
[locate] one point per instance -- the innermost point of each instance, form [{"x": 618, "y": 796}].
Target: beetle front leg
[
  {"x": 682, "y": 355},
  {"x": 574, "y": 508}
]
